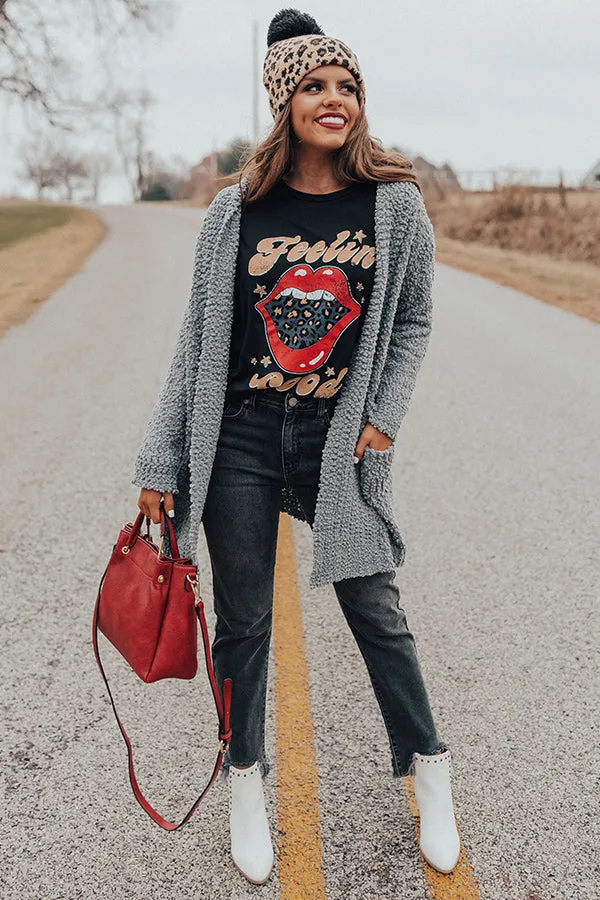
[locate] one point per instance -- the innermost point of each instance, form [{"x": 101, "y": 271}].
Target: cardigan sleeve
[
  {"x": 160, "y": 455},
  {"x": 410, "y": 332}
]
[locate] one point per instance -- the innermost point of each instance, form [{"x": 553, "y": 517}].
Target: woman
[{"x": 313, "y": 278}]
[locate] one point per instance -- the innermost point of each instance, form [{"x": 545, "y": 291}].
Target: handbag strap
[
  {"x": 223, "y": 711},
  {"x": 166, "y": 528}
]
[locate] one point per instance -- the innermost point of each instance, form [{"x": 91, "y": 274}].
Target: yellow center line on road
[
  {"x": 301, "y": 872},
  {"x": 460, "y": 883}
]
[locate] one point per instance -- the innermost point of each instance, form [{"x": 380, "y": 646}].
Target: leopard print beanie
[{"x": 297, "y": 45}]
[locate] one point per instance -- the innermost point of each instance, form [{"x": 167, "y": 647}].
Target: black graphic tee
[{"x": 304, "y": 275}]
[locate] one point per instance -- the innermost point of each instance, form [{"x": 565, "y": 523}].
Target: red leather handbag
[{"x": 147, "y": 605}]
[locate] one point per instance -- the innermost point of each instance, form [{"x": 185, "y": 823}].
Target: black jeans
[{"x": 266, "y": 442}]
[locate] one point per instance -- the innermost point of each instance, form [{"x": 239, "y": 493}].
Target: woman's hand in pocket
[
  {"x": 371, "y": 437},
  {"x": 149, "y": 503}
]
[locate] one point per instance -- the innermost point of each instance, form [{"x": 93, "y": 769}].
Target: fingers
[
  {"x": 381, "y": 443},
  {"x": 149, "y": 503},
  {"x": 360, "y": 449},
  {"x": 169, "y": 504},
  {"x": 373, "y": 438}
]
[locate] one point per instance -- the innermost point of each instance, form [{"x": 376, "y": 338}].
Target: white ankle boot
[
  {"x": 439, "y": 841},
  {"x": 251, "y": 847}
]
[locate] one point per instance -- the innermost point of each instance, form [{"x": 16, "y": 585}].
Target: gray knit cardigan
[{"x": 355, "y": 531}]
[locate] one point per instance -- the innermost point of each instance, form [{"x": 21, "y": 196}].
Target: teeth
[{"x": 296, "y": 294}]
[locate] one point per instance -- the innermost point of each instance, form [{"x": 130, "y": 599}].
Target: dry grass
[
  {"x": 526, "y": 239},
  {"x": 19, "y": 220},
  {"x": 34, "y": 263},
  {"x": 572, "y": 286}
]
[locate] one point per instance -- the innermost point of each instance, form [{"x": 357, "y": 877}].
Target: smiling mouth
[
  {"x": 339, "y": 123},
  {"x": 303, "y": 319}
]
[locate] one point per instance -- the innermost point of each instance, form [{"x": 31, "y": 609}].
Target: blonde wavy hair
[{"x": 361, "y": 158}]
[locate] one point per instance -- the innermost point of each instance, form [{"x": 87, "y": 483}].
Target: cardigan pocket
[{"x": 375, "y": 481}]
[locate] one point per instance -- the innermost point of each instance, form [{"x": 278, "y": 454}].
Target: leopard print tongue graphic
[
  {"x": 302, "y": 319},
  {"x": 305, "y": 314}
]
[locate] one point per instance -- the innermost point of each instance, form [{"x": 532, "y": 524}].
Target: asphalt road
[{"x": 497, "y": 485}]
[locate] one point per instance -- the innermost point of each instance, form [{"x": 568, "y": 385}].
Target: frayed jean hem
[{"x": 409, "y": 767}]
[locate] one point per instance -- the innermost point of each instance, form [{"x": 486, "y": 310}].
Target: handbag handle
[
  {"x": 164, "y": 520},
  {"x": 223, "y": 711}
]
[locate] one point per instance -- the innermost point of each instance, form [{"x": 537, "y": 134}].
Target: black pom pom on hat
[{"x": 288, "y": 23}]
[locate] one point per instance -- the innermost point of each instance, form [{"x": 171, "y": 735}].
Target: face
[{"x": 326, "y": 91}]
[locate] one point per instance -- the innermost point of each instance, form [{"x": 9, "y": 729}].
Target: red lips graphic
[{"x": 302, "y": 330}]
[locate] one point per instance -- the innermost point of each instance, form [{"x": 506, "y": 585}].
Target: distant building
[
  {"x": 432, "y": 177},
  {"x": 592, "y": 179},
  {"x": 200, "y": 181},
  {"x": 203, "y": 181},
  {"x": 441, "y": 177}
]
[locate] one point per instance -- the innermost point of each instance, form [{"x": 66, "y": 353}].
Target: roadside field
[
  {"x": 538, "y": 242},
  {"x": 41, "y": 247},
  {"x": 21, "y": 219}
]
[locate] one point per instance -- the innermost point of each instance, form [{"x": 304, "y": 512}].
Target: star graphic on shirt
[
  {"x": 260, "y": 289},
  {"x": 359, "y": 235},
  {"x": 254, "y": 360},
  {"x": 329, "y": 371},
  {"x": 266, "y": 361},
  {"x": 359, "y": 286}
]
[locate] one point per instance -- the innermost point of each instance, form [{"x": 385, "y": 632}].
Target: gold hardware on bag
[
  {"x": 161, "y": 579},
  {"x": 194, "y": 585},
  {"x": 125, "y": 549}
]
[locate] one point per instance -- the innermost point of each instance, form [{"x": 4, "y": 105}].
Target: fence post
[{"x": 561, "y": 190}]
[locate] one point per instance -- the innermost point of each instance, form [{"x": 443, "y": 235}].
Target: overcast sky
[{"x": 478, "y": 84}]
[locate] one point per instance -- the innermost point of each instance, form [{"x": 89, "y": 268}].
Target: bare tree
[
  {"x": 49, "y": 165},
  {"x": 99, "y": 164},
  {"x": 37, "y": 166},
  {"x": 129, "y": 114},
  {"x": 72, "y": 173},
  {"x": 36, "y": 66}
]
